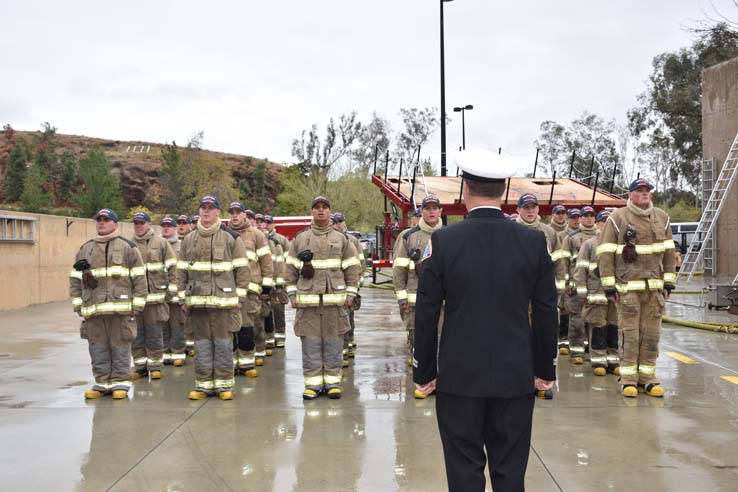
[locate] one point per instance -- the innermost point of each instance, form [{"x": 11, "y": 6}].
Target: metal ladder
[
  {"x": 709, "y": 175},
  {"x": 710, "y": 213}
]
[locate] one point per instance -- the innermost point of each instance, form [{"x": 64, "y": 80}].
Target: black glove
[
  {"x": 611, "y": 294},
  {"x": 81, "y": 265},
  {"x": 88, "y": 279},
  {"x": 306, "y": 258},
  {"x": 415, "y": 255},
  {"x": 266, "y": 290},
  {"x": 629, "y": 250},
  {"x": 668, "y": 288}
]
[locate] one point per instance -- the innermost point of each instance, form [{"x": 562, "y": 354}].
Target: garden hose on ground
[{"x": 704, "y": 325}]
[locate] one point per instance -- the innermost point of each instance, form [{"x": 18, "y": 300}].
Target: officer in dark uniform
[{"x": 487, "y": 271}]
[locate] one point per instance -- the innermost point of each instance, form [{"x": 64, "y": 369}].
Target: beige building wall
[
  {"x": 719, "y": 128},
  {"x": 38, "y": 272}
]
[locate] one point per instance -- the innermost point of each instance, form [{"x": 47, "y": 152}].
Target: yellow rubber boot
[
  {"x": 309, "y": 394},
  {"x": 178, "y": 363},
  {"x": 334, "y": 393},
  {"x": 197, "y": 395},
  {"x": 630, "y": 391},
  {"x": 251, "y": 373},
  {"x": 268, "y": 352},
  {"x": 155, "y": 374},
  {"x": 138, "y": 375},
  {"x": 120, "y": 394},
  {"x": 577, "y": 360},
  {"x": 259, "y": 361},
  {"x": 410, "y": 362},
  {"x": 419, "y": 395},
  {"x": 564, "y": 350},
  {"x": 599, "y": 371},
  {"x": 225, "y": 395},
  {"x": 345, "y": 363},
  {"x": 93, "y": 394},
  {"x": 654, "y": 390}
]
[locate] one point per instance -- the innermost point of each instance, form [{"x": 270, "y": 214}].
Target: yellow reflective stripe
[
  {"x": 241, "y": 292},
  {"x": 655, "y": 284},
  {"x": 557, "y": 255},
  {"x": 208, "y": 385},
  {"x": 597, "y": 299},
  {"x": 582, "y": 291},
  {"x": 325, "y": 264},
  {"x": 650, "y": 370},
  {"x": 352, "y": 290},
  {"x": 291, "y": 289},
  {"x": 136, "y": 271},
  {"x": 606, "y": 248},
  {"x": 169, "y": 263},
  {"x": 263, "y": 251},
  {"x": 207, "y": 266},
  {"x": 113, "y": 271},
  {"x": 640, "y": 285},
  {"x": 401, "y": 262},
  {"x": 308, "y": 299},
  {"x": 251, "y": 255},
  {"x": 583, "y": 264},
  {"x": 595, "y": 359},
  {"x": 139, "y": 301},
  {"x": 670, "y": 278},
  {"x": 279, "y": 281},
  {"x": 412, "y": 297},
  {"x": 592, "y": 267},
  {"x": 224, "y": 383},
  {"x": 334, "y": 299},
  {"x": 291, "y": 260},
  {"x": 183, "y": 265},
  {"x": 349, "y": 263},
  {"x": 332, "y": 379},
  {"x": 254, "y": 287},
  {"x": 106, "y": 307},
  {"x": 172, "y": 288},
  {"x": 211, "y": 301},
  {"x": 240, "y": 262},
  {"x": 608, "y": 281},
  {"x": 153, "y": 267},
  {"x": 155, "y": 297},
  {"x": 401, "y": 295},
  {"x": 75, "y": 274},
  {"x": 560, "y": 284},
  {"x": 669, "y": 244},
  {"x": 267, "y": 282},
  {"x": 77, "y": 301},
  {"x": 314, "y": 380},
  {"x": 174, "y": 300},
  {"x": 181, "y": 294}
]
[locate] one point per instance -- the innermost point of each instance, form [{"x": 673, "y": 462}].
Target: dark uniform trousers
[{"x": 502, "y": 425}]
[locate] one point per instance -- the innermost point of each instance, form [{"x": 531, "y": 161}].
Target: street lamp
[
  {"x": 461, "y": 110},
  {"x": 443, "y": 98}
]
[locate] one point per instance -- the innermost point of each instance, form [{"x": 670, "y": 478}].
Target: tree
[
  {"x": 671, "y": 103},
  {"x": 17, "y": 169},
  {"x": 34, "y": 197},
  {"x": 172, "y": 195},
  {"x": 102, "y": 188},
  {"x": 418, "y": 126},
  {"x": 589, "y": 135},
  {"x": 67, "y": 176},
  {"x": 253, "y": 191},
  {"x": 374, "y": 141}
]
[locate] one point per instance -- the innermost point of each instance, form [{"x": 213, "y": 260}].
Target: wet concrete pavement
[{"x": 376, "y": 438}]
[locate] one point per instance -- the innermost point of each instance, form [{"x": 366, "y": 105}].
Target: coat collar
[{"x": 486, "y": 212}]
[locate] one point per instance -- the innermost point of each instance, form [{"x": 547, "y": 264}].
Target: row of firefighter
[{"x": 216, "y": 293}]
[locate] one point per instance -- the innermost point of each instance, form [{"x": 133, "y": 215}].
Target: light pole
[
  {"x": 443, "y": 97},
  {"x": 461, "y": 110}
]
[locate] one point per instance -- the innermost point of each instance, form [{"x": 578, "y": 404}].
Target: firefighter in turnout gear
[
  {"x": 349, "y": 345},
  {"x": 108, "y": 290},
  {"x": 572, "y": 226},
  {"x": 184, "y": 227},
  {"x": 565, "y": 272},
  {"x": 260, "y": 283},
  {"x": 600, "y": 314},
  {"x": 174, "y": 336},
  {"x": 212, "y": 278},
  {"x": 558, "y": 218},
  {"x": 408, "y": 256},
  {"x": 161, "y": 267},
  {"x": 637, "y": 266},
  {"x": 280, "y": 296},
  {"x": 269, "y": 299},
  {"x": 528, "y": 216},
  {"x": 321, "y": 276}
]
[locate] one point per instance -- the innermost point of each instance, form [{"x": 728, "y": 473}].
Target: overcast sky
[{"x": 252, "y": 75}]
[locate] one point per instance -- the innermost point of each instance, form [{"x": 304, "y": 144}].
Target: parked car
[{"x": 683, "y": 233}]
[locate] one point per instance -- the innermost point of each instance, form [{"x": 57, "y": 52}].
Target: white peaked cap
[{"x": 484, "y": 165}]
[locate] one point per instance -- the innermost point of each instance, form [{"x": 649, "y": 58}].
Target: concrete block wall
[
  {"x": 39, "y": 272},
  {"x": 719, "y": 128}
]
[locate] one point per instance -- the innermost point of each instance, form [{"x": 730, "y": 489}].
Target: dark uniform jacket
[{"x": 488, "y": 271}]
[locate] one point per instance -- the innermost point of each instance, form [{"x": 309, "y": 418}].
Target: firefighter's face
[
  {"x": 238, "y": 218},
  {"x": 270, "y": 226},
  {"x": 641, "y": 197},
  {"x": 574, "y": 222},
  {"x": 168, "y": 231},
  {"x": 208, "y": 214},
  {"x": 559, "y": 217},
  {"x": 183, "y": 228},
  {"x": 528, "y": 213},
  {"x": 105, "y": 226},
  {"x": 141, "y": 228},
  {"x": 339, "y": 226},
  {"x": 588, "y": 220},
  {"x": 321, "y": 213},
  {"x": 431, "y": 214},
  {"x": 261, "y": 225}
]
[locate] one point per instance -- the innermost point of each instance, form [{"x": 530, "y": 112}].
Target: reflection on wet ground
[{"x": 376, "y": 438}]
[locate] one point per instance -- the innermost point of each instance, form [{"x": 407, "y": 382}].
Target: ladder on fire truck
[{"x": 704, "y": 236}]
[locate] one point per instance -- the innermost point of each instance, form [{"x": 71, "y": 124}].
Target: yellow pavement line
[
  {"x": 681, "y": 358},
  {"x": 732, "y": 379}
]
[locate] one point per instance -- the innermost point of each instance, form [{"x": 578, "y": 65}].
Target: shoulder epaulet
[
  {"x": 130, "y": 243},
  {"x": 301, "y": 231},
  {"x": 230, "y": 231},
  {"x": 274, "y": 240}
]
